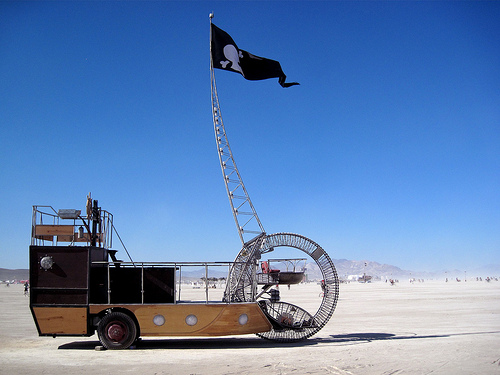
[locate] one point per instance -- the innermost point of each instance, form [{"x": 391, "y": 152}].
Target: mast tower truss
[{"x": 245, "y": 216}]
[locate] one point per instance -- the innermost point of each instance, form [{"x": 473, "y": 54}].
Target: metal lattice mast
[{"x": 243, "y": 210}]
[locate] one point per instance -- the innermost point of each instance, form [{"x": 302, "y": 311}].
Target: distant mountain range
[
  {"x": 344, "y": 269},
  {"x": 358, "y": 267},
  {"x": 347, "y": 267},
  {"x": 10, "y": 275}
]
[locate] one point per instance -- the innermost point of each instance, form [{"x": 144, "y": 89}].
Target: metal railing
[
  {"x": 199, "y": 271},
  {"x": 80, "y": 234}
]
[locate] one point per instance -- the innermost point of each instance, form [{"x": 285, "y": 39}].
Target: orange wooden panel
[
  {"x": 45, "y": 238},
  {"x": 54, "y": 230},
  {"x": 61, "y": 320},
  {"x": 212, "y": 319},
  {"x": 65, "y": 238},
  {"x": 228, "y": 321}
]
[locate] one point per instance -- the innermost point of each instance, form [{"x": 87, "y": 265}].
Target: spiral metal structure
[{"x": 292, "y": 322}]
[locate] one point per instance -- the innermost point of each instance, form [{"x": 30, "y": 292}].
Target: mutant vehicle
[{"x": 78, "y": 286}]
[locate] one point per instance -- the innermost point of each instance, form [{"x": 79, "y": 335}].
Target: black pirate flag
[{"x": 227, "y": 56}]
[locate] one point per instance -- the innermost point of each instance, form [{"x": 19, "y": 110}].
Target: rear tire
[{"x": 117, "y": 330}]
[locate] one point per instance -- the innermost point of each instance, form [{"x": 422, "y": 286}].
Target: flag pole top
[{"x": 211, "y": 15}]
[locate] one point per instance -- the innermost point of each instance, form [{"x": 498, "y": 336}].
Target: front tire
[{"x": 117, "y": 330}]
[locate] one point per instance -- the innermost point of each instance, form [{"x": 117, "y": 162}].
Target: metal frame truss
[{"x": 245, "y": 216}]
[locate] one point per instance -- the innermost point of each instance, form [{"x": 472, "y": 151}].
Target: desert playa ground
[{"x": 419, "y": 328}]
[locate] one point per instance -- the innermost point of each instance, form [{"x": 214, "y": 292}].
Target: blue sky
[{"x": 389, "y": 150}]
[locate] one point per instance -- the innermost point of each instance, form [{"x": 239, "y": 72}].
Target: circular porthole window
[
  {"x": 191, "y": 320},
  {"x": 243, "y": 319},
  {"x": 159, "y": 320},
  {"x": 46, "y": 262}
]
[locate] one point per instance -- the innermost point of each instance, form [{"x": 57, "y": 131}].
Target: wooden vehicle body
[
  {"x": 74, "y": 294},
  {"x": 79, "y": 287},
  {"x": 76, "y": 288}
]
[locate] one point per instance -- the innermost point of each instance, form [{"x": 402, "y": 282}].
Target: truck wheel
[{"x": 116, "y": 330}]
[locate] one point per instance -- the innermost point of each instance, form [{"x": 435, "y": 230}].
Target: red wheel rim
[{"x": 116, "y": 331}]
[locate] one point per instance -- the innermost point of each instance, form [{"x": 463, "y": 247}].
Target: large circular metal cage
[{"x": 292, "y": 322}]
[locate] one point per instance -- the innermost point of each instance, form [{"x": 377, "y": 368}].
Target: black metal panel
[
  {"x": 66, "y": 281},
  {"x": 98, "y": 292},
  {"x": 59, "y": 297},
  {"x": 69, "y": 269},
  {"x": 127, "y": 285},
  {"x": 73, "y": 279},
  {"x": 159, "y": 285}
]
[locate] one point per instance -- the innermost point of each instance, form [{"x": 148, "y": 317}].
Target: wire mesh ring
[{"x": 330, "y": 284}]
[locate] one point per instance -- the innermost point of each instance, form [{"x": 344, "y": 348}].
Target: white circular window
[
  {"x": 159, "y": 320},
  {"x": 191, "y": 320},
  {"x": 243, "y": 319}
]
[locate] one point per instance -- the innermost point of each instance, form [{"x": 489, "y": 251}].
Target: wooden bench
[{"x": 64, "y": 233}]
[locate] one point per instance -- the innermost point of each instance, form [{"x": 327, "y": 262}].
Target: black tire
[{"x": 117, "y": 330}]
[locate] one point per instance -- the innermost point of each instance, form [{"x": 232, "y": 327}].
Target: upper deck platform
[{"x": 67, "y": 227}]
